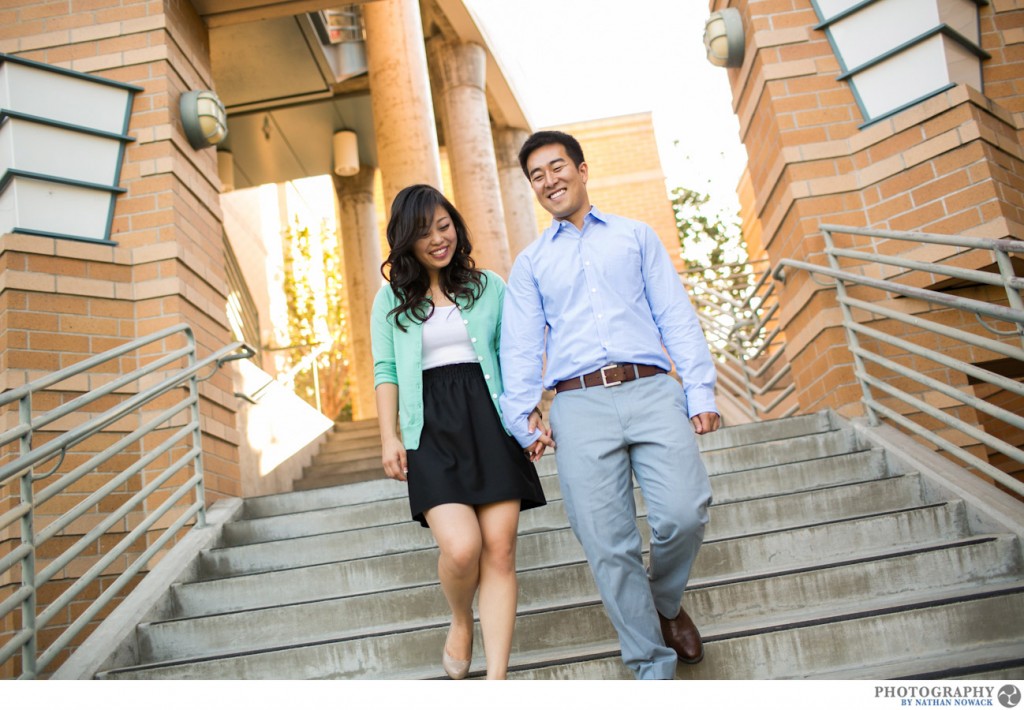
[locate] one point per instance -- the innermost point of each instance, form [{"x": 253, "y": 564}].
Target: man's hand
[
  {"x": 394, "y": 461},
  {"x": 535, "y": 450},
  {"x": 706, "y": 422}
]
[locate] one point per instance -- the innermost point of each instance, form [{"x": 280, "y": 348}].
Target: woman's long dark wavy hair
[{"x": 412, "y": 214}]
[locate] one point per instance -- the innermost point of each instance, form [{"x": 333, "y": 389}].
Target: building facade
[{"x": 882, "y": 114}]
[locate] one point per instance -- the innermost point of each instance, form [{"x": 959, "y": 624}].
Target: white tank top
[{"x": 445, "y": 339}]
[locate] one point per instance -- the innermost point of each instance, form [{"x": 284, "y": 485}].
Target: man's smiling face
[{"x": 561, "y": 187}]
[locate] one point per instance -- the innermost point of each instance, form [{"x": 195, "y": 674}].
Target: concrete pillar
[
  {"x": 403, "y": 113},
  {"x": 357, "y": 219},
  {"x": 459, "y": 69},
  {"x": 516, "y": 194}
]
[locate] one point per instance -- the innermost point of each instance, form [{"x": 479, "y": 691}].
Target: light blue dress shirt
[{"x": 608, "y": 294}]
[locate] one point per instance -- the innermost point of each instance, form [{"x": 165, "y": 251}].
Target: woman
[{"x": 435, "y": 334}]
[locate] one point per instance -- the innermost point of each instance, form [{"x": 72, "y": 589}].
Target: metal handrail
[
  {"x": 744, "y": 345},
  {"x": 22, "y": 472},
  {"x": 886, "y": 371}
]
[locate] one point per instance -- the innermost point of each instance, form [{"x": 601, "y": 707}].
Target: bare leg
[
  {"x": 457, "y": 532},
  {"x": 498, "y": 586}
]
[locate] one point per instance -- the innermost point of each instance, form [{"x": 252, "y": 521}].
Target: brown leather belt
[{"x": 609, "y": 376}]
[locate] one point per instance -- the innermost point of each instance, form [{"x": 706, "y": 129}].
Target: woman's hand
[
  {"x": 393, "y": 458},
  {"x": 535, "y": 450}
]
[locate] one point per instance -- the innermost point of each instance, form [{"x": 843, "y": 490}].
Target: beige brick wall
[
  {"x": 62, "y": 301},
  {"x": 952, "y": 164}
]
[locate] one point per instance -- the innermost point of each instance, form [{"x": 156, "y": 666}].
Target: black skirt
[{"x": 465, "y": 455}]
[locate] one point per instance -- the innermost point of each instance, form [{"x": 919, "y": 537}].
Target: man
[{"x": 599, "y": 295}]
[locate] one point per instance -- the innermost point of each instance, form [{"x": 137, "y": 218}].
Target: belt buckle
[{"x": 604, "y": 376}]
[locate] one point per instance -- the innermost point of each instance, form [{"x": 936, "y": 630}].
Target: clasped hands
[{"x": 535, "y": 450}]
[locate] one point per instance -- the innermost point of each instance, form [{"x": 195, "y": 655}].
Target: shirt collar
[{"x": 557, "y": 225}]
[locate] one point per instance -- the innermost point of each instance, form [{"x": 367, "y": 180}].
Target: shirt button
[
  {"x": 465, "y": 322},
  {"x": 494, "y": 396},
  {"x": 593, "y": 290},
  {"x": 473, "y": 339},
  {"x": 600, "y": 315},
  {"x": 480, "y": 358},
  {"x": 586, "y": 263},
  {"x": 487, "y": 377}
]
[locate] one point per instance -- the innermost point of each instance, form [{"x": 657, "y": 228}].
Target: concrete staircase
[
  {"x": 822, "y": 560},
  {"x": 350, "y": 454}
]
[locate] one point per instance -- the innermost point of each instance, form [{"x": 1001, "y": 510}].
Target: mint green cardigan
[{"x": 398, "y": 356}]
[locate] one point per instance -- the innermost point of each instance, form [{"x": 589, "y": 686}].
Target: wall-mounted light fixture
[
  {"x": 346, "y": 153},
  {"x": 723, "y": 38},
  {"x": 204, "y": 118}
]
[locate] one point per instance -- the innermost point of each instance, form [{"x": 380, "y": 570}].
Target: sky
[{"x": 576, "y": 60}]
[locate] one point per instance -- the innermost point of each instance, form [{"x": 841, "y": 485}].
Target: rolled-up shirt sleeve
[
  {"x": 679, "y": 326},
  {"x": 522, "y": 350}
]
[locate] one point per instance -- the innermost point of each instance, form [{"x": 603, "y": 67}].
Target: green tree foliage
[
  {"x": 317, "y": 318},
  {"x": 715, "y": 254},
  {"x": 709, "y": 239}
]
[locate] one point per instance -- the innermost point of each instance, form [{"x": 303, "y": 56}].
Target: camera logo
[{"x": 1009, "y": 696}]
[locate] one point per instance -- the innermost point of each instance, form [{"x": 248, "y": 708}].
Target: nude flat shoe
[{"x": 456, "y": 669}]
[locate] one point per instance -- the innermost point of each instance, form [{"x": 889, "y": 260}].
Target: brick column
[
  {"x": 357, "y": 218},
  {"x": 459, "y": 69},
  {"x": 62, "y": 301},
  {"x": 941, "y": 165}
]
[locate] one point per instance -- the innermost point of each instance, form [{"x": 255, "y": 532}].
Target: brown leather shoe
[{"x": 682, "y": 636}]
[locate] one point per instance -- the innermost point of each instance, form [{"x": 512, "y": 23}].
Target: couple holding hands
[{"x": 459, "y": 363}]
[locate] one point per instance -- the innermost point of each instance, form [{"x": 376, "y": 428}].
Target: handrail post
[
  {"x": 28, "y": 538},
  {"x": 851, "y": 336},
  {"x": 197, "y": 432}
]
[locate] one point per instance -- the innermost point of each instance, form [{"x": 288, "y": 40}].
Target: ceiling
[{"x": 287, "y": 92}]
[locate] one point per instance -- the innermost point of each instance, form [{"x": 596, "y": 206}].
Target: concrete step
[
  {"x": 299, "y": 501},
  {"x": 937, "y": 639},
  {"x": 752, "y": 515},
  {"x": 843, "y": 468},
  {"x": 359, "y": 428},
  {"x": 336, "y": 444},
  {"x": 760, "y": 432},
  {"x": 775, "y": 453},
  {"x": 828, "y": 647},
  {"x": 352, "y": 453},
  {"x": 388, "y": 511},
  {"x": 347, "y": 465},
  {"x": 558, "y": 545},
  {"x": 771, "y": 443},
  {"x": 366, "y": 575},
  {"x": 816, "y": 474},
  {"x": 791, "y": 598},
  {"x": 325, "y": 480}
]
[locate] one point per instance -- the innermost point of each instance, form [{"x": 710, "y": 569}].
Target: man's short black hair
[{"x": 543, "y": 138}]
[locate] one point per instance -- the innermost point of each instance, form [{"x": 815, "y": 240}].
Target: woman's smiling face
[{"x": 436, "y": 246}]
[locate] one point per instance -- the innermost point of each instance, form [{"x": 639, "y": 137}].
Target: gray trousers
[{"x": 603, "y": 436}]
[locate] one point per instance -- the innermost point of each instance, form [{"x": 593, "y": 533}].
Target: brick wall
[
  {"x": 62, "y": 301},
  {"x": 952, "y": 164}
]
